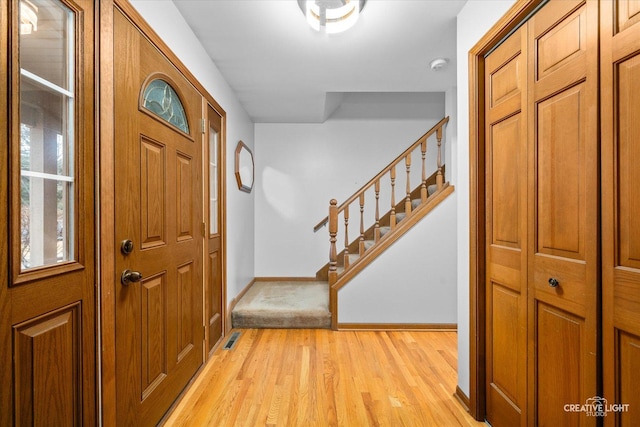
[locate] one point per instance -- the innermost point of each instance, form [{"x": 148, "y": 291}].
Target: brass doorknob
[
  {"x": 129, "y": 276},
  {"x": 553, "y": 282}
]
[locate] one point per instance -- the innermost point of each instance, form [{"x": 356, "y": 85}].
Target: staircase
[
  {"x": 274, "y": 304},
  {"x": 377, "y": 232}
]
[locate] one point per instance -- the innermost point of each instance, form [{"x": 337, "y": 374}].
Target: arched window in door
[{"x": 162, "y": 100}]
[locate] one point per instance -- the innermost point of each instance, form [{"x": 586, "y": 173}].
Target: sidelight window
[
  {"x": 213, "y": 180},
  {"x": 47, "y": 141}
]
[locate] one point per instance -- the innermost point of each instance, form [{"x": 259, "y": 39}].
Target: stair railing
[{"x": 397, "y": 211}]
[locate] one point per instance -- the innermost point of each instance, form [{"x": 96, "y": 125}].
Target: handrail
[
  {"x": 396, "y": 161},
  {"x": 321, "y": 224}
]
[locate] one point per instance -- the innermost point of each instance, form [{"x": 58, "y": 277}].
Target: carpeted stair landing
[{"x": 284, "y": 304}]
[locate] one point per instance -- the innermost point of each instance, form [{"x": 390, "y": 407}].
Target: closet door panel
[
  {"x": 628, "y": 365},
  {"x": 506, "y": 206},
  {"x": 620, "y": 112},
  {"x": 563, "y": 211},
  {"x": 628, "y": 72}
]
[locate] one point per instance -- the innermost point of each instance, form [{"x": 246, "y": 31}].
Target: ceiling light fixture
[
  {"x": 28, "y": 17},
  {"x": 331, "y": 16}
]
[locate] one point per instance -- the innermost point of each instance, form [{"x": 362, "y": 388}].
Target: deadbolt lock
[{"x": 126, "y": 247}]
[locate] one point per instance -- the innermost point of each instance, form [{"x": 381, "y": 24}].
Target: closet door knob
[{"x": 553, "y": 282}]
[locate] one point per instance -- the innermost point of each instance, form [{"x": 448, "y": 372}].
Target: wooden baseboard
[
  {"x": 462, "y": 398},
  {"x": 421, "y": 327},
  {"x": 233, "y": 303},
  {"x": 286, "y": 279}
]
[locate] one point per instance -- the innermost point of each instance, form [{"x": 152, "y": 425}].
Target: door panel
[
  {"x": 628, "y": 366},
  {"x": 562, "y": 42},
  {"x": 506, "y": 183},
  {"x": 563, "y": 221},
  {"x": 184, "y": 202},
  {"x": 505, "y": 149},
  {"x": 505, "y": 307},
  {"x": 560, "y": 180},
  {"x": 561, "y": 361},
  {"x": 628, "y": 14},
  {"x": 37, "y": 343},
  {"x": 620, "y": 83},
  {"x": 629, "y": 156},
  {"x": 158, "y": 204},
  {"x": 154, "y": 331},
  {"x": 187, "y": 295},
  {"x": 215, "y": 300},
  {"x": 152, "y": 193}
]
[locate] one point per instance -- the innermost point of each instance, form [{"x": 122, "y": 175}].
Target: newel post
[
  {"x": 333, "y": 231},
  {"x": 439, "y": 177}
]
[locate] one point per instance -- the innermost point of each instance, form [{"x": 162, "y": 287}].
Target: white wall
[
  {"x": 300, "y": 167},
  {"x": 474, "y": 20},
  {"x": 167, "y": 21},
  {"x": 413, "y": 281}
]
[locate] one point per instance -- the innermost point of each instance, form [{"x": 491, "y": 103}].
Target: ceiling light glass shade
[
  {"x": 331, "y": 16},
  {"x": 28, "y": 17}
]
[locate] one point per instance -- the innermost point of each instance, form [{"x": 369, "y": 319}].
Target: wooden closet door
[
  {"x": 506, "y": 226},
  {"x": 620, "y": 85},
  {"x": 563, "y": 208}
]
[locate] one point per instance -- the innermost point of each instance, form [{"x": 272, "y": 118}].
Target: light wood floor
[{"x": 292, "y": 377}]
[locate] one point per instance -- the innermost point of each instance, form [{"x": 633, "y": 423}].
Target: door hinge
[
  {"x": 203, "y": 229},
  {"x": 202, "y": 125}
]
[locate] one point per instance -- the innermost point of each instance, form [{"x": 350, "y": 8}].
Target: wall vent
[{"x": 231, "y": 342}]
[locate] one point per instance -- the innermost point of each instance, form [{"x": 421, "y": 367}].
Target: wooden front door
[
  {"x": 214, "y": 282},
  {"x": 542, "y": 211},
  {"x": 158, "y": 219},
  {"x": 47, "y": 222}
]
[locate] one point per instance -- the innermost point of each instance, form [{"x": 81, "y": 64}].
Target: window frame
[{"x": 83, "y": 132}]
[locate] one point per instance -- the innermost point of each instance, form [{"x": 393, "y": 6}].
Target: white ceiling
[{"x": 285, "y": 72}]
